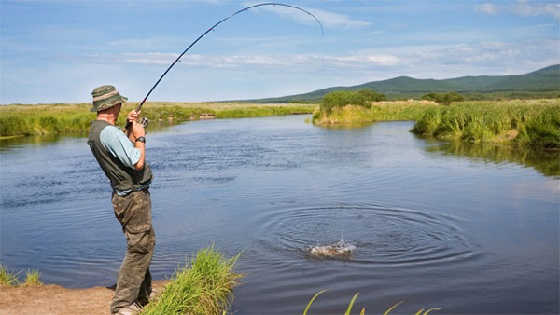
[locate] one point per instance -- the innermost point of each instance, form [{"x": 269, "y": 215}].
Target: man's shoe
[
  {"x": 155, "y": 294},
  {"x": 133, "y": 309}
]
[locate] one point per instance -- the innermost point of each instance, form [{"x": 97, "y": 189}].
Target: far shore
[{"x": 60, "y": 119}]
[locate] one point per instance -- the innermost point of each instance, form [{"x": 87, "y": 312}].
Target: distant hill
[{"x": 545, "y": 79}]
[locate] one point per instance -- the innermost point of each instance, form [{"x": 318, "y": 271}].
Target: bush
[
  {"x": 342, "y": 98},
  {"x": 444, "y": 98}
]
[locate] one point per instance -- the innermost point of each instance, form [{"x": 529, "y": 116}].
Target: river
[{"x": 435, "y": 225}]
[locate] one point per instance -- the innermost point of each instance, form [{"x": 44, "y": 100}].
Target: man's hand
[
  {"x": 133, "y": 116},
  {"x": 137, "y": 130}
]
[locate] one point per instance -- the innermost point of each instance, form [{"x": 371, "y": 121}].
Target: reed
[
  {"x": 205, "y": 287},
  {"x": 348, "y": 311},
  {"x": 61, "y": 119},
  {"x": 535, "y": 123},
  {"x": 32, "y": 278},
  {"x": 523, "y": 122},
  {"x": 7, "y": 278},
  {"x": 353, "y": 115}
]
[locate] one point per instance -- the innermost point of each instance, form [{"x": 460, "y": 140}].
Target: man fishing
[{"x": 123, "y": 159}]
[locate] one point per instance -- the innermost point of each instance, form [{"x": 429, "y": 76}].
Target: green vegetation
[
  {"x": 7, "y": 278},
  {"x": 11, "y": 279},
  {"x": 444, "y": 98},
  {"x": 421, "y": 311},
  {"x": 535, "y": 123},
  {"x": 341, "y": 98},
  {"x": 32, "y": 278},
  {"x": 205, "y": 288},
  {"x": 62, "y": 119},
  {"x": 355, "y": 116}
]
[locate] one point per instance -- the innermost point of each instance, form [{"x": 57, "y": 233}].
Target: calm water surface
[{"x": 434, "y": 225}]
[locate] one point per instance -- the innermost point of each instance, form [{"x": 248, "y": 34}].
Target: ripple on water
[{"x": 387, "y": 236}]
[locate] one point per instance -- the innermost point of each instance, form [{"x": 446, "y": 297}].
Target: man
[{"x": 123, "y": 159}]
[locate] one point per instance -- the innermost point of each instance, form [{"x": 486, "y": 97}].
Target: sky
[{"x": 60, "y": 50}]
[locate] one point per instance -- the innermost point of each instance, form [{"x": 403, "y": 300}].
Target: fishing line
[{"x": 139, "y": 107}]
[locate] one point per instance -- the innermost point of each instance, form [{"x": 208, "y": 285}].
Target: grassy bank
[
  {"x": 56, "y": 119},
  {"x": 352, "y": 115},
  {"x": 205, "y": 287},
  {"x": 535, "y": 122},
  {"x": 8, "y": 278},
  {"x": 523, "y": 122}
]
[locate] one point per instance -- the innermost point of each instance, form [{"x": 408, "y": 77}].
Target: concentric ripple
[{"x": 389, "y": 236}]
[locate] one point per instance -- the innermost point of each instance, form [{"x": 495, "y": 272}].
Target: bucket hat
[{"x": 105, "y": 97}]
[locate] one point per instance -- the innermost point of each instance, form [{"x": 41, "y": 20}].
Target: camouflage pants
[{"x": 134, "y": 284}]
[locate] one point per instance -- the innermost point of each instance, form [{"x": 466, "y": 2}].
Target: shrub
[
  {"x": 444, "y": 98},
  {"x": 342, "y": 98}
]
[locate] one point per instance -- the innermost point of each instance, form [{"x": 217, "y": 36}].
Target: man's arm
[
  {"x": 129, "y": 152},
  {"x": 137, "y": 132},
  {"x": 132, "y": 116}
]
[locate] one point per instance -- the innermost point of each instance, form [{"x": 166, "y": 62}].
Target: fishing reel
[{"x": 144, "y": 122}]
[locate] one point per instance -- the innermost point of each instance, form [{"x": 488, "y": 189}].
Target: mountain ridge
[{"x": 544, "y": 79}]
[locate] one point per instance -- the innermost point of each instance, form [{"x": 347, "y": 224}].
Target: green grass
[
  {"x": 32, "y": 278},
  {"x": 62, "y": 119},
  {"x": 205, "y": 287},
  {"x": 8, "y": 278},
  {"x": 535, "y": 123},
  {"x": 523, "y": 122},
  {"x": 350, "y": 115},
  {"x": 348, "y": 311},
  {"x": 347, "y": 116}
]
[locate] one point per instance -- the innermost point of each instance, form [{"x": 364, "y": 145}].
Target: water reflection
[
  {"x": 545, "y": 161},
  {"x": 8, "y": 143}
]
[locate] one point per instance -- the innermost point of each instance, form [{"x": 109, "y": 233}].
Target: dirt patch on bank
[{"x": 51, "y": 299}]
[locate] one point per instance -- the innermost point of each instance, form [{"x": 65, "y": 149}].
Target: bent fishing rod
[{"x": 144, "y": 120}]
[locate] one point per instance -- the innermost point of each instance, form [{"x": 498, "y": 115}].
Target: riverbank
[
  {"x": 58, "y": 119},
  {"x": 52, "y": 299},
  {"x": 203, "y": 287},
  {"x": 356, "y": 116},
  {"x": 523, "y": 122}
]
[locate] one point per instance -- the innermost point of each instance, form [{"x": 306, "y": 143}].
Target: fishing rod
[{"x": 144, "y": 120}]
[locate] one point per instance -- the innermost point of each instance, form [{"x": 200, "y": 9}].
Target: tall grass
[
  {"x": 351, "y": 115},
  {"x": 523, "y": 122},
  {"x": 32, "y": 278},
  {"x": 8, "y": 278},
  {"x": 348, "y": 311},
  {"x": 54, "y": 119},
  {"x": 204, "y": 288},
  {"x": 531, "y": 122}
]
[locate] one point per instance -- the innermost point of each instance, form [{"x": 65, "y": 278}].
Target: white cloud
[
  {"x": 487, "y": 8},
  {"x": 327, "y": 18},
  {"x": 525, "y": 8},
  {"x": 353, "y": 61}
]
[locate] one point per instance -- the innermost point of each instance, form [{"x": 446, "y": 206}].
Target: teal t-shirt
[{"x": 116, "y": 142}]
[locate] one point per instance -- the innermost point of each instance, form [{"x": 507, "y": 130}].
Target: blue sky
[{"x": 59, "y": 50}]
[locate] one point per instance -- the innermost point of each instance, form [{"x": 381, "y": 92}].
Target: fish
[{"x": 340, "y": 249}]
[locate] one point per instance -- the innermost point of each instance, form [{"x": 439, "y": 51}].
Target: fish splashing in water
[{"x": 340, "y": 249}]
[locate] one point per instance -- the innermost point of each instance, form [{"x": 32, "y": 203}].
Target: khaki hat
[{"x": 105, "y": 97}]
